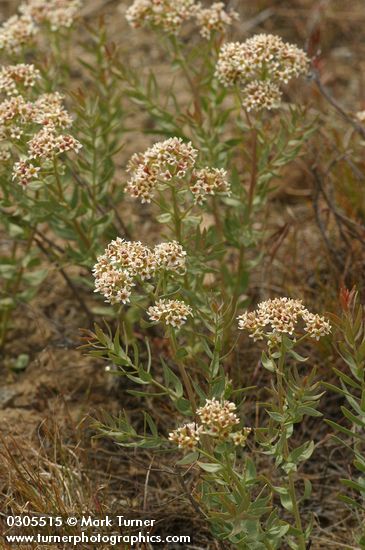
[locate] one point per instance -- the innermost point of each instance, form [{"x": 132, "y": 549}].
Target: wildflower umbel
[
  {"x": 16, "y": 110},
  {"x": 56, "y": 13},
  {"x": 16, "y": 32},
  {"x": 187, "y": 436},
  {"x": 218, "y": 417},
  {"x": 262, "y": 58},
  {"x": 279, "y": 316},
  {"x": 258, "y": 95},
  {"x": 214, "y": 19},
  {"x": 170, "y": 312},
  {"x": 115, "y": 284},
  {"x": 49, "y": 111},
  {"x": 215, "y": 419},
  {"x": 18, "y": 116},
  {"x": 131, "y": 255},
  {"x": 136, "y": 260},
  {"x": 25, "y": 172},
  {"x": 240, "y": 438},
  {"x": 170, "y": 256},
  {"x": 167, "y": 15},
  {"x": 315, "y": 325},
  {"x": 159, "y": 164},
  {"x": 46, "y": 144},
  {"x": 208, "y": 181},
  {"x": 13, "y": 77}
]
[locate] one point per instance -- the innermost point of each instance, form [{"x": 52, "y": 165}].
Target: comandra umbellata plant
[
  {"x": 56, "y": 188},
  {"x": 351, "y": 348},
  {"x": 238, "y": 501},
  {"x": 185, "y": 282}
]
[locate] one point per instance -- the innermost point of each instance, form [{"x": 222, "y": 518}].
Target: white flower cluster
[
  {"x": 172, "y": 159},
  {"x": 14, "y": 111},
  {"x": 187, "y": 436},
  {"x": 115, "y": 284},
  {"x": 159, "y": 164},
  {"x": 170, "y": 257},
  {"x": 46, "y": 110},
  {"x": 15, "y": 33},
  {"x": 279, "y": 316},
  {"x": 261, "y": 94},
  {"x": 25, "y": 172},
  {"x": 264, "y": 58},
  {"x": 360, "y": 115},
  {"x": 49, "y": 111},
  {"x": 124, "y": 261},
  {"x": 45, "y": 144},
  {"x": 19, "y": 30},
  {"x": 169, "y": 15},
  {"x": 56, "y": 13},
  {"x": 209, "y": 181},
  {"x": 214, "y": 19},
  {"x": 218, "y": 417},
  {"x": 19, "y": 116},
  {"x": 170, "y": 312},
  {"x": 12, "y": 77},
  {"x": 218, "y": 420}
]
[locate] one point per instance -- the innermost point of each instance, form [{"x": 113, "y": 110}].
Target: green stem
[
  {"x": 184, "y": 375},
  {"x": 180, "y": 58},
  {"x": 177, "y": 214},
  {"x": 79, "y": 230},
  {"x": 280, "y": 373},
  {"x": 241, "y": 257}
]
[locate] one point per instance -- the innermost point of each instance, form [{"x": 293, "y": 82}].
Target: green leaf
[
  {"x": 298, "y": 357},
  {"x": 286, "y": 501},
  {"x": 267, "y": 363},
  {"x": 340, "y": 428},
  {"x": 164, "y": 218},
  {"x": 350, "y": 502},
  {"x": 151, "y": 424},
  {"x": 189, "y": 459},
  {"x": 360, "y": 487},
  {"x": 183, "y": 406},
  {"x": 210, "y": 467},
  {"x": 250, "y": 471},
  {"x": 354, "y": 419},
  {"x": 276, "y": 416},
  {"x": 335, "y": 389},
  {"x": 304, "y": 452},
  {"x": 360, "y": 465},
  {"x": 145, "y": 376},
  {"x": 171, "y": 380},
  {"x": 349, "y": 381}
]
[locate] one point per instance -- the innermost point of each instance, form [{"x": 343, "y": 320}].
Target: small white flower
[
  {"x": 209, "y": 181},
  {"x": 160, "y": 163},
  {"x": 214, "y": 19},
  {"x": 281, "y": 316},
  {"x": 170, "y": 312},
  {"x": 167, "y": 15},
  {"x": 187, "y": 436}
]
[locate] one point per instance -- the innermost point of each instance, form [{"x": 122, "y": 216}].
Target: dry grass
[{"x": 49, "y": 459}]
